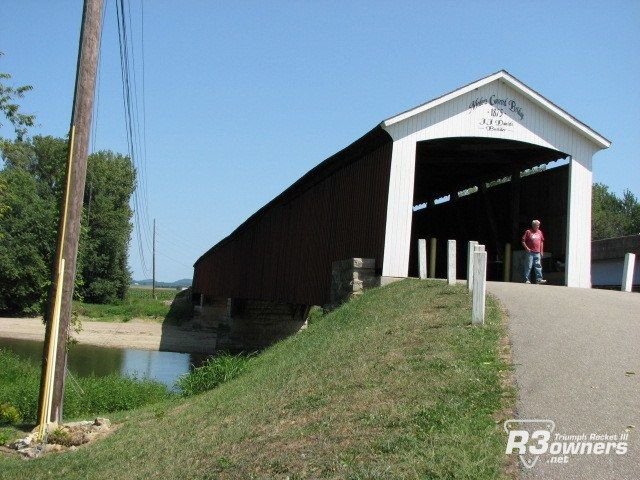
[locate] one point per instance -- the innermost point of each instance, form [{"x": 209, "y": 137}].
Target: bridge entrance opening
[{"x": 489, "y": 190}]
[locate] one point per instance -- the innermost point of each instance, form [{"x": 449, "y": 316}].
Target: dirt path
[{"x": 137, "y": 334}]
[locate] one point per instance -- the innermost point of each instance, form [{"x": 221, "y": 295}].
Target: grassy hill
[{"x": 394, "y": 384}]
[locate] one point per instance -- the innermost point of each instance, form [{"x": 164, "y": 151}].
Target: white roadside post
[
  {"x": 476, "y": 248},
  {"x": 451, "y": 262},
  {"x": 470, "y": 249},
  {"x": 422, "y": 258},
  {"x": 627, "y": 272},
  {"x": 479, "y": 286}
]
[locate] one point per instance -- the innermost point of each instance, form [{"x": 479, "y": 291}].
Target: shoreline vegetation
[
  {"x": 393, "y": 384},
  {"x": 171, "y": 306},
  {"x": 84, "y": 396},
  {"x": 90, "y": 397}
]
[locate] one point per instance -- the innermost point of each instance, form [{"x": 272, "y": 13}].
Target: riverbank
[
  {"x": 393, "y": 384},
  {"x": 89, "y": 396},
  {"x": 137, "y": 333}
]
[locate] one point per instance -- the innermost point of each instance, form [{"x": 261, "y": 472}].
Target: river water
[{"x": 87, "y": 360}]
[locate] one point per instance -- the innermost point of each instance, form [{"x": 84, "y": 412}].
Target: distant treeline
[{"x": 185, "y": 282}]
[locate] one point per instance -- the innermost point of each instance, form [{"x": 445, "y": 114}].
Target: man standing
[{"x": 533, "y": 243}]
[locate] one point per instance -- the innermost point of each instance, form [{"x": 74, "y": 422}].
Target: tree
[
  {"x": 631, "y": 212},
  {"x": 110, "y": 184},
  {"x": 28, "y": 243},
  {"x": 613, "y": 216},
  {"x": 4, "y": 208},
  {"x": 30, "y": 223},
  {"x": 32, "y": 182},
  {"x": 10, "y": 108}
]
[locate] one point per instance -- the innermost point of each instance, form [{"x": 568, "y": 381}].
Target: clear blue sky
[{"x": 242, "y": 98}]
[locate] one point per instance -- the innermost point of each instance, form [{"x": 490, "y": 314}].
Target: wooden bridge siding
[{"x": 285, "y": 253}]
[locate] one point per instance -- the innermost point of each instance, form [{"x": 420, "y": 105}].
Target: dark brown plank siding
[{"x": 284, "y": 252}]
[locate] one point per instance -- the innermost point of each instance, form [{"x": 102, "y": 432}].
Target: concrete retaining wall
[{"x": 245, "y": 325}]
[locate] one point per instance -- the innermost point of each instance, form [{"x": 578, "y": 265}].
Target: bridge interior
[{"x": 483, "y": 189}]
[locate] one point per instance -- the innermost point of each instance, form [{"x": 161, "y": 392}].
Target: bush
[
  {"x": 215, "y": 371},
  {"x": 60, "y": 437},
  {"x": 20, "y": 386},
  {"x": 6, "y": 436},
  {"x": 315, "y": 314},
  {"x": 101, "y": 291},
  {"x": 9, "y": 415}
]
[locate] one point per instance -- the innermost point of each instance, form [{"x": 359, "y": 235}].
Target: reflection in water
[
  {"x": 87, "y": 360},
  {"x": 165, "y": 367}
]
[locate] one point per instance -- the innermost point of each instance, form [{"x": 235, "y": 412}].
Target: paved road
[{"x": 572, "y": 349}]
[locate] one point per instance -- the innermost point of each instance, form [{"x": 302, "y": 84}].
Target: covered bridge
[{"x": 451, "y": 168}]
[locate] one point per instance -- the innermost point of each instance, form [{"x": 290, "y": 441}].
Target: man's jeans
[{"x": 532, "y": 260}]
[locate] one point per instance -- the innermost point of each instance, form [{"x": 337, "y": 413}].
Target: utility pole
[
  {"x": 153, "y": 262},
  {"x": 54, "y": 358}
]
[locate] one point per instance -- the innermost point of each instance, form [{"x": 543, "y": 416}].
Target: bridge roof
[
  {"x": 516, "y": 84},
  {"x": 368, "y": 142}
]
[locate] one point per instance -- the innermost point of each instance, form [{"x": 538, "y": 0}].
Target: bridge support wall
[
  {"x": 350, "y": 277},
  {"x": 244, "y": 325}
]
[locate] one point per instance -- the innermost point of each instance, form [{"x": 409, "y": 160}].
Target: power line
[
  {"x": 125, "y": 99},
  {"x": 141, "y": 159},
  {"x": 176, "y": 244},
  {"x": 178, "y": 241},
  {"x": 174, "y": 260},
  {"x": 142, "y": 146},
  {"x": 144, "y": 98},
  {"x": 133, "y": 131}
]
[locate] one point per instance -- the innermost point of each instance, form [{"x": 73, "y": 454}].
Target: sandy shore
[{"x": 137, "y": 334}]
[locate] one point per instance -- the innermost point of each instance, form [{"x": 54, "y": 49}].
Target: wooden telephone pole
[{"x": 64, "y": 269}]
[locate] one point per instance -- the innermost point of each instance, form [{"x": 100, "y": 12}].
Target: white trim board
[{"x": 506, "y": 77}]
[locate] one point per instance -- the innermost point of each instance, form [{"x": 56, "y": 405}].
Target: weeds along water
[
  {"x": 84, "y": 397},
  {"x": 99, "y": 395},
  {"x": 214, "y": 371}
]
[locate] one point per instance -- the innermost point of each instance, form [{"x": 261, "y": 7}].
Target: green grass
[
  {"x": 394, "y": 384},
  {"x": 215, "y": 371},
  {"x": 138, "y": 303},
  {"x": 84, "y": 397}
]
